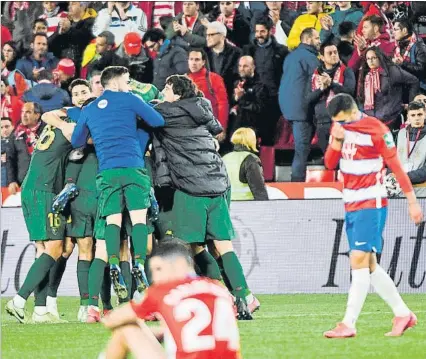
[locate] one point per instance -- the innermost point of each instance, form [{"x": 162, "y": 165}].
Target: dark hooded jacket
[
  {"x": 184, "y": 151},
  {"x": 48, "y": 96}
]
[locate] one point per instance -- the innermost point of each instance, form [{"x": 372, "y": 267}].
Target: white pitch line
[{"x": 331, "y": 314}]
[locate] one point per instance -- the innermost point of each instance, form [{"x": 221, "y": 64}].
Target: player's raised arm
[
  {"x": 81, "y": 132},
  {"x": 334, "y": 149},
  {"x": 146, "y": 112},
  {"x": 387, "y": 148},
  {"x": 54, "y": 119}
]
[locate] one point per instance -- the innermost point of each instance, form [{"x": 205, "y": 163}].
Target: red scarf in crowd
[
  {"x": 227, "y": 21},
  {"x": 406, "y": 56},
  {"x": 190, "y": 21},
  {"x": 337, "y": 78},
  {"x": 371, "y": 87},
  {"x": 29, "y": 134}
]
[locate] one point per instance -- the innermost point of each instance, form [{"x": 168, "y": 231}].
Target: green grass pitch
[{"x": 287, "y": 326}]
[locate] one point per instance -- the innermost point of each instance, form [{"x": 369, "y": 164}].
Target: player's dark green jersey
[
  {"x": 89, "y": 170},
  {"x": 47, "y": 167}
]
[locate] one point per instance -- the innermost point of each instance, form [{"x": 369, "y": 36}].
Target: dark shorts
[
  {"x": 83, "y": 215},
  {"x": 121, "y": 188},
  {"x": 42, "y": 224}
]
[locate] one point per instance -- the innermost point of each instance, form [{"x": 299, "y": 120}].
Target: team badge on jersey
[
  {"x": 102, "y": 104},
  {"x": 390, "y": 143}
]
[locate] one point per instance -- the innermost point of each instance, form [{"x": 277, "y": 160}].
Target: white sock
[
  {"x": 19, "y": 302},
  {"x": 357, "y": 295},
  {"x": 40, "y": 310},
  {"x": 250, "y": 298},
  {"x": 385, "y": 287},
  {"x": 94, "y": 307},
  {"x": 51, "y": 301}
]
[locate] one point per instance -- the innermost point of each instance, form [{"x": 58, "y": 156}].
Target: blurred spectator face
[
  {"x": 226, "y": 7},
  {"x": 399, "y": 32},
  {"x": 190, "y": 8},
  {"x": 95, "y": 84},
  {"x": 168, "y": 94},
  {"x": 3, "y": 88},
  {"x": 214, "y": 38},
  {"x": 261, "y": 34},
  {"x": 315, "y": 40},
  {"x": 350, "y": 37},
  {"x": 153, "y": 46},
  {"x": 79, "y": 95},
  {"x": 420, "y": 98},
  {"x": 8, "y": 53},
  {"x": 343, "y": 5},
  {"x": 372, "y": 60},
  {"x": 274, "y": 5},
  {"x": 195, "y": 61},
  {"x": 28, "y": 117},
  {"x": 331, "y": 55},
  {"x": 313, "y": 7},
  {"x": 49, "y": 6},
  {"x": 101, "y": 45},
  {"x": 415, "y": 117},
  {"x": 39, "y": 46},
  {"x": 39, "y": 26},
  {"x": 6, "y": 127},
  {"x": 75, "y": 9},
  {"x": 369, "y": 31},
  {"x": 246, "y": 67}
]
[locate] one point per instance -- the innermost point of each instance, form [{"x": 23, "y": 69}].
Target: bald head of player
[
  {"x": 171, "y": 260},
  {"x": 343, "y": 108}
]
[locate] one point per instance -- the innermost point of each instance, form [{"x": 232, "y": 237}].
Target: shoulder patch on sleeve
[{"x": 390, "y": 143}]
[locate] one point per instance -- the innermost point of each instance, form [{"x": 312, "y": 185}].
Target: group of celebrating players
[{"x": 108, "y": 197}]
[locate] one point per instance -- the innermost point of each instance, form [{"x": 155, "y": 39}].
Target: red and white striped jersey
[
  {"x": 367, "y": 147},
  {"x": 53, "y": 22}
]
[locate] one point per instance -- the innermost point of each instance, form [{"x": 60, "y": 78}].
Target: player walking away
[
  {"x": 363, "y": 145},
  {"x": 44, "y": 180},
  {"x": 198, "y": 174},
  {"x": 122, "y": 181},
  {"x": 188, "y": 305}
]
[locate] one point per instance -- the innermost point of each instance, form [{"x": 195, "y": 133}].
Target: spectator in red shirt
[
  {"x": 211, "y": 85},
  {"x": 5, "y": 35},
  {"x": 372, "y": 8},
  {"x": 11, "y": 106},
  {"x": 371, "y": 36}
]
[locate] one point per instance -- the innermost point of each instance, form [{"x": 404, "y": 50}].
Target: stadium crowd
[{"x": 259, "y": 63}]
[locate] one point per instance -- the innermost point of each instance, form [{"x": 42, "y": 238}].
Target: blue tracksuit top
[{"x": 111, "y": 122}]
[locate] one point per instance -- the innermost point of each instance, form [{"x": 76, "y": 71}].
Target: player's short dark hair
[
  {"x": 78, "y": 82},
  {"x": 45, "y": 75},
  {"x": 375, "y": 20},
  {"x": 264, "y": 21},
  {"x": 169, "y": 248},
  {"x": 112, "y": 72},
  {"x": 7, "y": 119},
  {"x": 307, "y": 33},
  {"x": 153, "y": 35},
  {"x": 416, "y": 105},
  {"x": 346, "y": 27},
  {"x": 182, "y": 86},
  {"x": 44, "y": 21},
  {"x": 37, "y": 34},
  {"x": 405, "y": 23},
  {"x": 341, "y": 103},
  {"x": 327, "y": 43},
  {"x": 201, "y": 51},
  {"x": 108, "y": 36}
]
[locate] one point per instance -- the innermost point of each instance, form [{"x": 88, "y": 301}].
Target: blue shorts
[{"x": 364, "y": 229}]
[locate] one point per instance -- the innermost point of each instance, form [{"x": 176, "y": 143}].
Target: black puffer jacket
[
  {"x": 418, "y": 67},
  {"x": 184, "y": 151}
]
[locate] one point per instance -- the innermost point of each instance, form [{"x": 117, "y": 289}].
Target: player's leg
[
  {"x": 43, "y": 226},
  {"x": 137, "y": 187},
  {"x": 135, "y": 339},
  {"x": 205, "y": 262},
  {"x": 85, "y": 257},
  {"x": 106, "y": 291},
  {"x": 96, "y": 275},
  {"x": 55, "y": 277},
  {"x": 125, "y": 266},
  {"x": 361, "y": 227},
  {"x": 386, "y": 289}
]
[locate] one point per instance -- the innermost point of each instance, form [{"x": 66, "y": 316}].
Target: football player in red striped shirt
[
  {"x": 362, "y": 146},
  {"x": 197, "y": 314}
]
